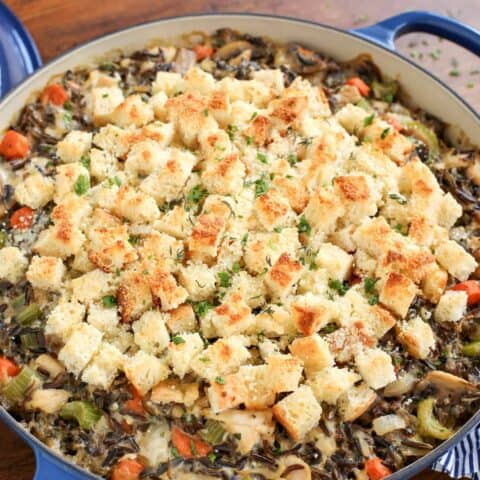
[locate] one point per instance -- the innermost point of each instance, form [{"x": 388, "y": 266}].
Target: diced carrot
[
  {"x": 22, "y": 218},
  {"x": 8, "y": 369},
  {"x": 472, "y": 289},
  {"x": 188, "y": 446},
  {"x": 127, "y": 469},
  {"x": 202, "y": 51},
  {"x": 55, "y": 94},
  {"x": 362, "y": 87},
  {"x": 135, "y": 405},
  {"x": 14, "y": 145},
  {"x": 395, "y": 123},
  {"x": 376, "y": 470}
]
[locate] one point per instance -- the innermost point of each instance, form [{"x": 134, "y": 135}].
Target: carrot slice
[
  {"x": 376, "y": 470},
  {"x": 8, "y": 369},
  {"x": 472, "y": 288},
  {"x": 188, "y": 446},
  {"x": 202, "y": 51},
  {"x": 135, "y": 405},
  {"x": 22, "y": 218},
  {"x": 127, "y": 469},
  {"x": 55, "y": 94},
  {"x": 395, "y": 123},
  {"x": 362, "y": 87},
  {"x": 14, "y": 145}
]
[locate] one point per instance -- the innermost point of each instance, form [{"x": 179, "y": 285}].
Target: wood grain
[{"x": 58, "y": 25}]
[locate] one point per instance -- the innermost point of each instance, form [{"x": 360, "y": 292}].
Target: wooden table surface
[{"x": 58, "y": 25}]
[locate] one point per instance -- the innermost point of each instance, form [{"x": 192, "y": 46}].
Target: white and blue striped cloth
[{"x": 463, "y": 460}]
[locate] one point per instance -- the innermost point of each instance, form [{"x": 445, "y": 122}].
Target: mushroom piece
[
  {"x": 447, "y": 381},
  {"x": 303, "y": 60},
  {"x": 233, "y": 50},
  {"x": 7, "y": 197},
  {"x": 184, "y": 60},
  {"x": 404, "y": 384}
]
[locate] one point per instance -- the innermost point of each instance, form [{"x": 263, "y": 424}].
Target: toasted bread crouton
[
  {"x": 314, "y": 353},
  {"x": 132, "y": 111},
  {"x": 293, "y": 189},
  {"x": 46, "y": 273},
  {"x": 331, "y": 382},
  {"x": 65, "y": 317},
  {"x": 458, "y": 262},
  {"x": 104, "y": 102},
  {"x": 205, "y": 238},
  {"x": 272, "y": 210},
  {"x": 134, "y": 295},
  {"x": 144, "y": 371},
  {"x": 135, "y": 206},
  {"x": 198, "y": 279},
  {"x": 417, "y": 336},
  {"x": 335, "y": 261},
  {"x": 397, "y": 293},
  {"x": 182, "y": 350},
  {"x": 275, "y": 322},
  {"x": 74, "y": 145},
  {"x": 298, "y": 412},
  {"x": 92, "y": 286},
  {"x": 258, "y": 392},
  {"x": 173, "y": 391},
  {"x": 35, "y": 190},
  {"x": 175, "y": 222},
  {"x": 233, "y": 316},
  {"x": 227, "y": 392},
  {"x": 374, "y": 236},
  {"x": 376, "y": 368},
  {"x": 434, "y": 283},
  {"x": 323, "y": 210},
  {"x": 451, "y": 306},
  {"x": 150, "y": 332},
  {"x": 289, "y": 110},
  {"x": 311, "y": 313},
  {"x": 181, "y": 319},
  {"x": 224, "y": 175},
  {"x": 356, "y": 401},
  {"x": 283, "y": 275},
  {"x": 258, "y": 130},
  {"x": 166, "y": 291},
  {"x": 284, "y": 372},
  {"x": 104, "y": 366}
]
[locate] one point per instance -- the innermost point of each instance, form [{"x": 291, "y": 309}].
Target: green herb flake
[
  {"x": 330, "y": 328},
  {"x": 85, "y": 161},
  {"x": 67, "y": 117},
  {"x": 109, "y": 301},
  {"x": 397, "y": 361},
  {"x": 205, "y": 112},
  {"x": 196, "y": 194},
  {"x": 389, "y": 98},
  {"x": 201, "y": 308},
  {"x": 254, "y": 114},
  {"x": 368, "y": 120},
  {"x": 249, "y": 140},
  {"x": 385, "y": 132},
  {"x": 225, "y": 279},
  {"x": 397, "y": 197},
  {"x": 261, "y": 157},
  {"x": 220, "y": 380},
  {"x": 277, "y": 229},
  {"x": 303, "y": 226},
  {"x": 338, "y": 286},
  {"x": 373, "y": 300},
  {"x": 401, "y": 229},
  {"x": 212, "y": 457},
  {"x": 369, "y": 284},
  {"x": 236, "y": 267},
  {"x": 177, "y": 339},
  {"x": 133, "y": 239},
  {"x": 244, "y": 240},
  {"x": 82, "y": 185},
  {"x": 231, "y": 131},
  {"x": 261, "y": 187},
  {"x": 292, "y": 159}
]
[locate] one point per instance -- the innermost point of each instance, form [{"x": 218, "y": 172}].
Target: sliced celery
[
  {"x": 214, "y": 432},
  {"x": 472, "y": 349},
  {"x": 29, "y": 314},
  {"x": 85, "y": 413},
  {"x": 425, "y": 134},
  {"x": 385, "y": 90},
  {"x": 428, "y": 425},
  {"x": 14, "y": 391}
]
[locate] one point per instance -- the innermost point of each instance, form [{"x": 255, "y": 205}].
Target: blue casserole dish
[{"x": 378, "y": 40}]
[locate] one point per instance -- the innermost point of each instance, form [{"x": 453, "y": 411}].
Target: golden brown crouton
[{"x": 283, "y": 275}]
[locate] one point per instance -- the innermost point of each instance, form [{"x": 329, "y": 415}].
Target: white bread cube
[
  {"x": 168, "y": 82},
  {"x": 66, "y": 177},
  {"x": 314, "y": 353},
  {"x": 132, "y": 111},
  {"x": 74, "y": 146},
  {"x": 113, "y": 140},
  {"x": 284, "y": 372},
  {"x": 182, "y": 353},
  {"x": 323, "y": 210},
  {"x": 13, "y": 264},
  {"x": 298, "y": 412},
  {"x": 272, "y": 210},
  {"x": 135, "y": 206},
  {"x": 80, "y": 347},
  {"x": 452, "y": 306},
  {"x": 205, "y": 237},
  {"x": 48, "y": 400},
  {"x": 352, "y": 118},
  {"x": 222, "y": 357},
  {"x": 104, "y": 102},
  {"x": 335, "y": 261},
  {"x": 450, "y": 211},
  {"x": 225, "y": 175},
  {"x": 104, "y": 366},
  {"x": 181, "y": 319},
  {"x": 434, "y": 283},
  {"x": 198, "y": 279},
  {"x": 46, "y": 273},
  {"x": 197, "y": 80},
  {"x": 65, "y": 317},
  {"x": 388, "y": 423},
  {"x": 175, "y": 222},
  {"x": 168, "y": 391},
  {"x": 417, "y": 336},
  {"x": 120, "y": 338},
  {"x": 356, "y": 401},
  {"x": 283, "y": 275},
  {"x": 35, "y": 190},
  {"x": 275, "y": 322},
  {"x": 459, "y": 263},
  {"x": 59, "y": 241},
  {"x": 272, "y": 78},
  {"x": 166, "y": 290},
  {"x": 103, "y": 318},
  {"x": 311, "y": 313},
  {"x": 376, "y": 367},
  {"x": 92, "y": 286},
  {"x": 331, "y": 382},
  {"x": 229, "y": 393},
  {"x": 144, "y": 371},
  {"x": 157, "y": 102},
  {"x": 232, "y": 317},
  {"x": 102, "y": 164},
  {"x": 150, "y": 332},
  {"x": 255, "y": 386},
  {"x": 134, "y": 295},
  {"x": 397, "y": 293}
]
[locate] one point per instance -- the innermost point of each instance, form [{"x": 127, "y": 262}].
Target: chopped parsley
[
  {"x": 330, "y": 328},
  {"x": 205, "y": 112},
  {"x": 303, "y": 226},
  {"x": 244, "y": 240},
  {"x": 212, "y": 457},
  {"x": 133, "y": 239},
  {"x": 373, "y": 300},
  {"x": 109, "y": 301},
  {"x": 401, "y": 229},
  {"x": 369, "y": 284},
  {"x": 225, "y": 279},
  {"x": 389, "y": 98},
  {"x": 249, "y": 140},
  {"x": 261, "y": 187},
  {"x": 201, "y": 308},
  {"x": 384, "y": 134},
  {"x": 368, "y": 120},
  {"x": 261, "y": 157},
  {"x": 236, "y": 267},
  {"x": 306, "y": 141},
  {"x": 85, "y": 161},
  {"x": 177, "y": 340},
  {"x": 114, "y": 181},
  {"x": 254, "y": 114},
  {"x": 399, "y": 198},
  {"x": 277, "y": 229},
  {"x": 196, "y": 194},
  {"x": 82, "y": 185},
  {"x": 292, "y": 159},
  {"x": 220, "y": 380},
  {"x": 340, "y": 287},
  {"x": 231, "y": 131}
]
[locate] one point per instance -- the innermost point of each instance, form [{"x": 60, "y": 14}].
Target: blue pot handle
[
  {"x": 385, "y": 32},
  {"x": 50, "y": 468}
]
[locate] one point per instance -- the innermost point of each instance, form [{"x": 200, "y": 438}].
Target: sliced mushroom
[
  {"x": 404, "y": 384},
  {"x": 303, "y": 60},
  {"x": 447, "y": 381},
  {"x": 185, "y": 59},
  {"x": 233, "y": 49},
  {"x": 48, "y": 400}
]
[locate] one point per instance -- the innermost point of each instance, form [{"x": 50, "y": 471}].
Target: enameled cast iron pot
[{"x": 378, "y": 40}]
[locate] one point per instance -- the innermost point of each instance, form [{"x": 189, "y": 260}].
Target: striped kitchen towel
[{"x": 463, "y": 460}]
